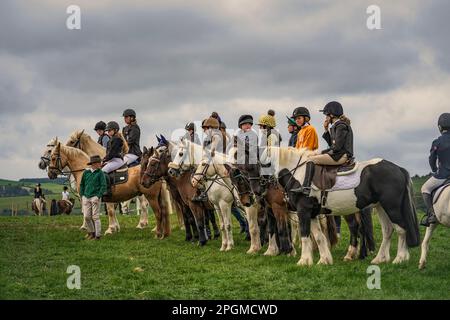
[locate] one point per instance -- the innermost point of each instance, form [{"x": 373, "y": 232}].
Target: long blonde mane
[{"x": 86, "y": 139}]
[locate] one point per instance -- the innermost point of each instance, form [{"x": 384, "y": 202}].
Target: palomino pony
[
  {"x": 77, "y": 160},
  {"x": 81, "y": 140},
  {"x": 376, "y": 183},
  {"x": 442, "y": 209}
]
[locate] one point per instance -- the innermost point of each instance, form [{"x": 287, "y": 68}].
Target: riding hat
[
  {"x": 333, "y": 108},
  {"x": 291, "y": 121},
  {"x": 268, "y": 119},
  {"x": 222, "y": 125},
  {"x": 246, "y": 118},
  {"x": 112, "y": 125},
  {"x": 129, "y": 113},
  {"x": 301, "y": 111},
  {"x": 190, "y": 126},
  {"x": 444, "y": 121},
  {"x": 94, "y": 159},
  {"x": 212, "y": 123},
  {"x": 100, "y": 126}
]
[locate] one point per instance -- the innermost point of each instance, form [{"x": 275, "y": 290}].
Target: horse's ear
[
  {"x": 151, "y": 151},
  {"x": 82, "y": 131},
  {"x": 58, "y": 146},
  {"x": 158, "y": 138},
  {"x": 145, "y": 150},
  {"x": 164, "y": 140}
]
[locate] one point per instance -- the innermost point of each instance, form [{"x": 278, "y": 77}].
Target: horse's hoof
[
  {"x": 108, "y": 232},
  {"x": 379, "y": 260},
  {"x": 323, "y": 261},
  {"x": 305, "y": 262},
  {"x": 270, "y": 253},
  {"x": 399, "y": 260},
  {"x": 139, "y": 226},
  {"x": 202, "y": 243},
  {"x": 422, "y": 265},
  {"x": 83, "y": 228},
  {"x": 293, "y": 253}
]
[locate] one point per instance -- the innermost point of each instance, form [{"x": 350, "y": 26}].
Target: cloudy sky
[{"x": 176, "y": 61}]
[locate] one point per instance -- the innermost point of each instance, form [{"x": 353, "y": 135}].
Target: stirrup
[
  {"x": 305, "y": 190},
  {"x": 427, "y": 220}
]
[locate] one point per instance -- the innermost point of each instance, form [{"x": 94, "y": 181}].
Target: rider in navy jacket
[{"x": 440, "y": 165}]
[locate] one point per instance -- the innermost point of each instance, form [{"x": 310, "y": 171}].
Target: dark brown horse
[
  {"x": 194, "y": 213},
  {"x": 61, "y": 206}
]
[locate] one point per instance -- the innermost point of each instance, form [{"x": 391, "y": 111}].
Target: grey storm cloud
[{"x": 175, "y": 60}]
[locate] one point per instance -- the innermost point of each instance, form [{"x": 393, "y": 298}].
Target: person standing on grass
[{"x": 92, "y": 188}]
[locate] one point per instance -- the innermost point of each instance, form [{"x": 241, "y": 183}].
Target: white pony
[
  {"x": 442, "y": 209},
  {"x": 217, "y": 183},
  {"x": 38, "y": 206}
]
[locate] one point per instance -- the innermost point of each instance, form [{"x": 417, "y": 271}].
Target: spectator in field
[{"x": 92, "y": 188}]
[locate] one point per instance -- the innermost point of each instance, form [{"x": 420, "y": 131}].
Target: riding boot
[
  {"x": 242, "y": 221},
  {"x": 309, "y": 174},
  {"x": 430, "y": 218},
  {"x": 201, "y": 196}
]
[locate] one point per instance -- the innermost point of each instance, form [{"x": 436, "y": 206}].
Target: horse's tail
[
  {"x": 367, "y": 228},
  {"x": 409, "y": 214}
]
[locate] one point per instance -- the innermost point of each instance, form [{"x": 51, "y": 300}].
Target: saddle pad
[
  {"x": 118, "y": 177},
  {"x": 438, "y": 192},
  {"x": 352, "y": 179}
]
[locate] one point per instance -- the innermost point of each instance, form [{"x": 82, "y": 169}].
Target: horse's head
[
  {"x": 45, "y": 158},
  {"x": 242, "y": 184},
  {"x": 75, "y": 139},
  {"x": 180, "y": 159},
  {"x": 156, "y": 166},
  {"x": 57, "y": 162}
]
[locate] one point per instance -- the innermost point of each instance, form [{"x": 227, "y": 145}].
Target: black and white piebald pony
[
  {"x": 376, "y": 183},
  {"x": 442, "y": 209}
]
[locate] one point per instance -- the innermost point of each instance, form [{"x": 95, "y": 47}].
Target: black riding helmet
[
  {"x": 112, "y": 125},
  {"x": 301, "y": 111},
  {"x": 246, "y": 118},
  {"x": 222, "y": 125},
  {"x": 333, "y": 108},
  {"x": 190, "y": 126},
  {"x": 100, "y": 126},
  {"x": 129, "y": 113},
  {"x": 444, "y": 121}
]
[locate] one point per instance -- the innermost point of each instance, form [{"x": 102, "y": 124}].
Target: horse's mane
[
  {"x": 86, "y": 138},
  {"x": 72, "y": 152}
]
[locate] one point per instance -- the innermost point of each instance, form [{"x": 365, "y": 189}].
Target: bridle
[
  {"x": 152, "y": 175},
  {"x": 59, "y": 167}
]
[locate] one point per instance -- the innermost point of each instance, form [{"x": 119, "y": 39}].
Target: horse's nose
[
  {"x": 172, "y": 172},
  {"x": 42, "y": 165}
]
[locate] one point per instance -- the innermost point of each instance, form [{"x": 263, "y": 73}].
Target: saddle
[
  {"x": 118, "y": 176},
  {"x": 437, "y": 192},
  {"x": 135, "y": 163},
  {"x": 325, "y": 176}
]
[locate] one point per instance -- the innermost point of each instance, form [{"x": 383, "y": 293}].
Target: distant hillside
[
  {"x": 42, "y": 180},
  {"x": 24, "y": 187}
]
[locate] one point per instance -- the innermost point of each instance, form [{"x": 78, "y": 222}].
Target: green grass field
[{"x": 36, "y": 252}]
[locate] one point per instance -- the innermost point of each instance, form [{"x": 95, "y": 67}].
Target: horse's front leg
[
  {"x": 143, "y": 209},
  {"x": 113, "y": 225},
  {"x": 426, "y": 245},
  {"x": 352, "y": 250},
  {"x": 322, "y": 243},
  {"x": 304, "y": 217}
]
